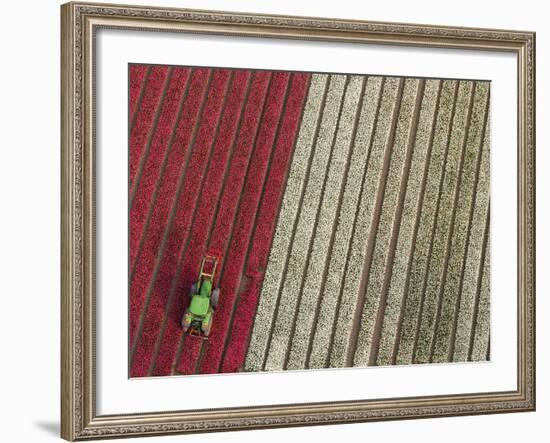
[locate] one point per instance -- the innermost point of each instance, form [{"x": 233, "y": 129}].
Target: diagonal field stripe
[
  {"x": 451, "y": 292},
  {"x": 249, "y": 286},
  {"x": 444, "y": 223},
  {"x": 287, "y": 216},
  {"x": 137, "y": 79},
  {"x": 174, "y": 217},
  {"x": 398, "y": 145},
  {"x": 309, "y": 212},
  {"x": 398, "y": 219},
  {"x": 150, "y": 136},
  {"x": 162, "y": 209},
  {"x": 227, "y": 214},
  {"x": 405, "y": 240},
  {"x": 469, "y": 311},
  {"x": 422, "y": 246},
  {"x": 350, "y": 214},
  {"x": 192, "y": 186},
  {"x": 145, "y": 191},
  {"x": 479, "y": 347},
  {"x": 246, "y": 217},
  {"x": 344, "y": 327},
  {"x": 148, "y": 108},
  {"x": 321, "y": 242},
  {"x": 221, "y": 158},
  {"x": 330, "y": 302}
]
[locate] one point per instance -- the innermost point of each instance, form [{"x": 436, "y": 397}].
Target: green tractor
[{"x": 197, "y": 319}]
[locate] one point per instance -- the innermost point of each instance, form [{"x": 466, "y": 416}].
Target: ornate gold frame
[{"x": 79, "y": 21}]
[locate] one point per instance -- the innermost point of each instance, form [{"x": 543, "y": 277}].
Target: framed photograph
[{"x": 280, "y": 221}]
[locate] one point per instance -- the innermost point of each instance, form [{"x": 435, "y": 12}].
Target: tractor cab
[{"x": 197, "y": 319}]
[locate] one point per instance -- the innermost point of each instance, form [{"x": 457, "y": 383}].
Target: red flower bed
[
  {"x": 244, "y": 223},
  {"x": 228, "y": 206},
  {"x": 194, "y": 174},
  {"x": 161, "y": 207},
  {"x": 137, "y": 78},
  {"x": 240, "y": 328},
  {"x": 146, "y": 113},
  {"x": 152, "y": 170},
  {"x": 205, "y": 216},
  {"x": 230, "y": 182}
]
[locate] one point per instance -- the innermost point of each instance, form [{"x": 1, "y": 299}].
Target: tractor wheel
[
  {"x": 206, "y": 331},
  {"x": 185, "y": 324},
  {"x": 215, "y": 298},
  {"x": 193, "y": 289}
]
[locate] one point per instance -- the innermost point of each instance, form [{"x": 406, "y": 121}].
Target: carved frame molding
[{"x": 79, "y": 21}]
